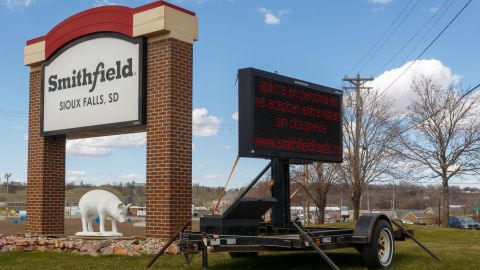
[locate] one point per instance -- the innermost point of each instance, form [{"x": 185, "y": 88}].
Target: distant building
[
  {"x": 140, "y": 211},
  {"x": 420, "y": 217},
  {"x": 428, "y": 216},
  {"x": 199, "y": 211}
]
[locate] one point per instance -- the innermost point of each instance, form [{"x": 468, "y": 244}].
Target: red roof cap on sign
[
  {"x": 162, "y": 3},
  {"x": 113, "y": 18}
]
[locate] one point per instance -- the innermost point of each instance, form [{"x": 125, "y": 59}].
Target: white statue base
[{"x": 99, "y": 234}]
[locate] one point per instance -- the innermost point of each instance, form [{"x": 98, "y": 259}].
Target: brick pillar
[
  {"x": 169, "y": 137},
  {"x": 46, "y": 171}
]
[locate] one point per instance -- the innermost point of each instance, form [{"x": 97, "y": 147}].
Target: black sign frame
[
  {"x": 246, "y": 111},
  {"x": 142, "y": 86}
]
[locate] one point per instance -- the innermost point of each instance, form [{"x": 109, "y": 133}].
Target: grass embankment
[
  {"x": 72, "y": 196},
  {"x": 459, "y": 249}
]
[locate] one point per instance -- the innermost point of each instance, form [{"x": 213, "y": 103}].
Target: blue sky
[{"x": 317, "y": 41}]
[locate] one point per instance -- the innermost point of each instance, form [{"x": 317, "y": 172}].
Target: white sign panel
[{"x": 94, "y": 83}]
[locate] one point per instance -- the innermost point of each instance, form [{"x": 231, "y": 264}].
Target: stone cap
[{"x": 157, "y": 20}]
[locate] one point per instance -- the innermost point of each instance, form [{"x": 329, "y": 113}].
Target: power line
[
  {"x": 449, "y": 184},
  {"x": 433, "y": 182},
  {"x": 12, "y": 113},
  {"x": 10, "y": 110},
  {"x": 425, "y": 119},
  {"x": 428, "y": 31},
  {"x": 418, "y": 32},
  {"x": 436, "y": 112},
  {"x": 426, "y": 48},
  {"x": 390, "y": 36},
  {"x": 381, "y": 37}
]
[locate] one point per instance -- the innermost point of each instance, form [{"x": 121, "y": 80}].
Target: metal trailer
[
  {"x": 373, "y": 237},
  {"x": 240, "y": 230}
]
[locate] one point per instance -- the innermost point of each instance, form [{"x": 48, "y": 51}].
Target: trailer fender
[{"x": 364, "y": 227}]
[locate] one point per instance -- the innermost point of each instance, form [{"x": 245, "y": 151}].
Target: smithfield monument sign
[
  {"x": 103, "y": 88},
  {"x": 113, "y": 70}
]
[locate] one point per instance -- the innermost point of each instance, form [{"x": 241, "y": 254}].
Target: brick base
[
  {"x": 46, "y": 172},
  {"x": 169, "y": 137}
]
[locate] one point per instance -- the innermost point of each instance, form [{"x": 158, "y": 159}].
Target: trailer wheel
[
  {"x": 379, "y": 253},
  {"x": 242, "y": 254}
]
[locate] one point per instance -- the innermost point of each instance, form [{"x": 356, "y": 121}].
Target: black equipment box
[{"x": 243, "y": 217}]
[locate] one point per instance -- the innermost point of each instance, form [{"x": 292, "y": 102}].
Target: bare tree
[
  {"x": 368, "y": 154},
  {"x": 321, "y": 177},
  {"x": 316, "y": 181},
  {"x": 445, "y": 139}
]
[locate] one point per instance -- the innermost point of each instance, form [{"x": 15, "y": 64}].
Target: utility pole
[
  {"x": 7, "y": 176},
  {"x": 358, "y": 84},
  {"x": 368, "y": 200},
  {"x": 393, "y": 199},
  {"x": 307, "y": 204},
  {"x": 341, "y": 203}
]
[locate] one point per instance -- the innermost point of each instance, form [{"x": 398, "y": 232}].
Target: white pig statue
[{"x": 104, "y": 204}]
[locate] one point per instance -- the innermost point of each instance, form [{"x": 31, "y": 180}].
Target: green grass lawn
[{"x": 459, "y": 249}]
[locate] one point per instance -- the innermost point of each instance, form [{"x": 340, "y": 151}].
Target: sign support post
[{"x": 281, "y": 192}]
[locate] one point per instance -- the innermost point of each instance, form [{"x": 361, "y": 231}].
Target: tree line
[{"x": 435, "y": 140}]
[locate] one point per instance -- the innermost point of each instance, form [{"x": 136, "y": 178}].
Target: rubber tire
[
  {"x": 243, "y": 254},
  {"x": 370, "y": 251}
]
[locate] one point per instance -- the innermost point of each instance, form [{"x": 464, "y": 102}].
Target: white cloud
[
  {"x": 270, "y": 17},
  {"x": 227, "y": 147},
  {"x": 434, "y": 9},
  {"x": 99, "y": 3},
  {"x": 16, "y": 4},
  {"x": 402, "y": 91},
  {"x": 235, "y": 116},
  {"x": 377, "y": 9},
  {"x": 74, "y": 176},
  {"x": 204, "y": 124},
  {"x": 103, "y": 146},
  {"x": 197, "y": 2},
  {"x": 132, "y": 177},
  {"x": 381, "y": 2}
]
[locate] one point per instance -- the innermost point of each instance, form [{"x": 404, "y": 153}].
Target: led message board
[{"x": 287, "y": 118}]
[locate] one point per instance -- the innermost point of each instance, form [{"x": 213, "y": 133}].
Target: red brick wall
[
  {"x": 169, "y": 137},
  {"x": 46, "y": 171}
]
